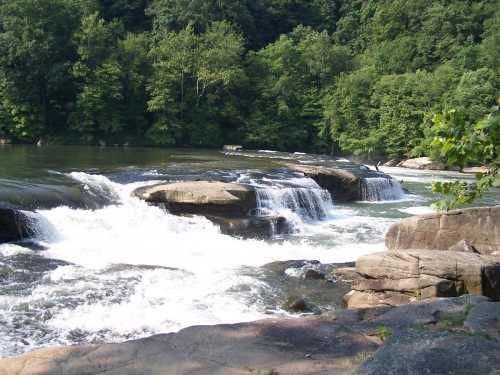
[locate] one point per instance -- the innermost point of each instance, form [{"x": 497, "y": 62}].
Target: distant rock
[
  {"x": 481, "y": 169},
  {"x": 423, "y": 163},
  {"x": 479, "y": 227},
  {"x": 392, "y": 163},
  {"x": 232, "y": 147},
  {"x": 201, "y": 198},
  {"x": 15, "y": 225}
]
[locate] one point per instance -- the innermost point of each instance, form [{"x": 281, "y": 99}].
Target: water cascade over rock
[{"x": 380, "y": 189}]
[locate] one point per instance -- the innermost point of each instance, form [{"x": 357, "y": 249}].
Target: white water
[
  {"x": 177, "y": 271},
  {"x": 381, "y": 189},
  {"x": 301, "y": 204}
]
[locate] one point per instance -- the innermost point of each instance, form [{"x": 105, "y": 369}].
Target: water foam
[
  {"x": 381, "y": 189},
  {"x": 194, "y": 274}
]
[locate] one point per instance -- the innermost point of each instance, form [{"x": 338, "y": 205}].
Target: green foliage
[
  {"x": 458, "y": 142},
  {"x": 190, "y": 73},
  {"x": 360, "y": 77},
  {"x": 383, "y": 332}
]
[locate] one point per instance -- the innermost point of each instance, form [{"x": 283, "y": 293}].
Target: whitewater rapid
[{"x": 130, "y": 270}]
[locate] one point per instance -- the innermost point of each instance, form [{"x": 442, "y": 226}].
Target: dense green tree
[
  {"x": 293, "y": 74},
  {"x": 190, "y": 71},
  {"x": 356, "y": 76},
  {"x": 36, "y": 50}
]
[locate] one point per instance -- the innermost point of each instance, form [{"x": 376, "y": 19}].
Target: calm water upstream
[{"x": 108, "y": 267}]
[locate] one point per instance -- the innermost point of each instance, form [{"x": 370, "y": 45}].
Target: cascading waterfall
[
  {"x": 381, "y": 189},
  {"x": 307, "y": 202}
]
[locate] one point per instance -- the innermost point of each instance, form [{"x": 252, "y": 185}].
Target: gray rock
[
  {"x": 484, "y": 317},
  {"x": 288, "y": 346},
  {"x": 419, "y": 353}
]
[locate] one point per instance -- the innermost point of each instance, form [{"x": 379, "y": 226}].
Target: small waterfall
[
  {"x": 381, "y": 189},
  {"x": 303, "y": 202}
]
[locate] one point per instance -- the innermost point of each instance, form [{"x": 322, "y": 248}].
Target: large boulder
[
  {"x": 472, "y": 229},
  {"x": 15, "y": 225},
  {"x": 201, "y": 198},
  {"x": 395, "y": 278},
  {"x": 423, "y": 163}
]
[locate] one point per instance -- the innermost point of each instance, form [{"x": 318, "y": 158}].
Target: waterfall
[
  {"x": 298, "y": 204},
  {"x": 381, "y": 189}
]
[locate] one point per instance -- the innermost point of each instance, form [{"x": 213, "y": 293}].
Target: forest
[{"x": 352, "y": 77}]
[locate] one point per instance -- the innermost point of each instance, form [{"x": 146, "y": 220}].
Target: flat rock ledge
[
  {"x": 201, "y": 197},
  {"x": 228, "y": 205},
  {"x": 441, "y": 336}
]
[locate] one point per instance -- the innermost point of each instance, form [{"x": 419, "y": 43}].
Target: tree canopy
[{"x": 360, "y": 77}]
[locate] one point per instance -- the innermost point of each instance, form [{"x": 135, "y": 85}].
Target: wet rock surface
[
  {"x": 15, "y": 225},
  {"x": 423, "y": 338},
  {"x": 344, "y": 184}
]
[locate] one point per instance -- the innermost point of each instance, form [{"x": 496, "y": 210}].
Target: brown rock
[
  {"x": 479, "y": 227},
  {"x": 424, "y": 274},
  {"x": 201, "y": 198},
  {"x": 423, "y": 163}
]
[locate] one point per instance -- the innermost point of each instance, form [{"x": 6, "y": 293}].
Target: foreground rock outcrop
[
  {"x": 15, "y": 225},
  {"x": 439, "y": 255},
  {"x": 479, "y": 227},
  {"x": 443, "y": 336}
]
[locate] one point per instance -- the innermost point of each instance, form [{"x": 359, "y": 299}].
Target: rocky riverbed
[{"x": 183, "y": 265}]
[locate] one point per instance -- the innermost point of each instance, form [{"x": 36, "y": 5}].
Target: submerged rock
[
  {"x": 479, "y": 227},
  {"x": 15, "y": 225},
  {"x": 201, "y": 198},
  {"x": 252, "y": 226}
]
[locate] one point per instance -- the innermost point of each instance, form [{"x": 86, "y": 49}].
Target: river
[{"x": 106, "y": 267}]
